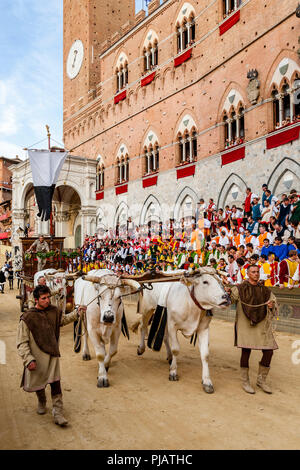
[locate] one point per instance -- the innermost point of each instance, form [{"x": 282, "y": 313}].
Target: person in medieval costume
[
  {"x": 40, "y": 246},
  {"x": 256, "y": 306},
  {"x": 38, "y": 346}
]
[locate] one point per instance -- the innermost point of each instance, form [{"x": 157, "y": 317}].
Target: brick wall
[{"x": 264, "y": 35}]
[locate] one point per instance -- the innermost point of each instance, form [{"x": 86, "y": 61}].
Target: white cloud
[
  {"x": 9, "y": 150},
  {"x": 31, "y": 94}
]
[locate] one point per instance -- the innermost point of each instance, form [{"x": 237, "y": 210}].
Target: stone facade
[{"x": 74, "y": 207}]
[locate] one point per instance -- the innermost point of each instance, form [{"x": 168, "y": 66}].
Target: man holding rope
[
  {"x": 38, "y": 346},
  {"x": 255, "y": 308}
]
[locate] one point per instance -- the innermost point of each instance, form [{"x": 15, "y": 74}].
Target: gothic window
[
  {"x": 100, "y": 177},
  {"x": 186, "y": 33},
  {"x": 122, "y": 77},
  {"x": 150, "y": 56},
  {"x": 234, "y": 126},
  {"x": 151, "y": 159},
  {"x": 285, "y": 107},
  {"x": 122, "y": 169},
  {"x": 187, "y": 144},
  {"x": 229, "y": 6}
]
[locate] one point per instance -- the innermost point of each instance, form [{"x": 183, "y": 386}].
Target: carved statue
[{"x": 253, "y": 88}]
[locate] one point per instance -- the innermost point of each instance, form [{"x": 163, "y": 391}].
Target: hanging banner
[{"x": 45, "y": 167}]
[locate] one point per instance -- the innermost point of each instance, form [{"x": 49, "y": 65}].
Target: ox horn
[
  {"x": 72, "y": 276},
  {"x": 131, "y": 283},
  {"x": 94, "y": 279}
]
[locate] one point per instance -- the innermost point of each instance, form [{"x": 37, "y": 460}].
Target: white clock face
[{"x": 75, "y": 59}]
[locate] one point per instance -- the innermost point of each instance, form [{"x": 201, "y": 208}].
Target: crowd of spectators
[{"x": 265, "y": 231}]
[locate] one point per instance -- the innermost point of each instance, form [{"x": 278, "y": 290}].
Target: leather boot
[
  {"x": 58, "y": 410},
  {"x": 245, "y": 380},
  {"x": 41, "y": 395},
  {"x": 261, "y": 378}
]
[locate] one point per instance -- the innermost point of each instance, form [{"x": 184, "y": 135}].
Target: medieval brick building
[{"x": 195, "y": 99}]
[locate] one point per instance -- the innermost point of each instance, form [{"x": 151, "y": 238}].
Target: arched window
[
  {"x": 229, "y": 6},
  {"x": 122, "y": 76},
  {"x": 186, "y": 33},
  {"x": 285, "y": 107},
  {"x": 151, "y": 56},
  {"x": 122, "y": 166},
  {"x": 151, "y": 159},
  {"x": 234, "y": 126},
  {"x": 100, "y": 177},
  {"x": 187, "y": 147}
]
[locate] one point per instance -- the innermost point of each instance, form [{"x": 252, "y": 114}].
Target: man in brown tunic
[
  {"x": 38, "y": 346},
  {"x": 255, "y": 308},
  {"x": 40, "y": 246}
]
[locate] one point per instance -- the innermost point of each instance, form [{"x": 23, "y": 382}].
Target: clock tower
[{"x": 87, "y": 24}]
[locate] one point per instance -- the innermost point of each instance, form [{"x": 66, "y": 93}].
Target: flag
[{"x": 45, "y": 167}]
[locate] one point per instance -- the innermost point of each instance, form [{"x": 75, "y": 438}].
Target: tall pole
[{"x": 49, "y": 148}]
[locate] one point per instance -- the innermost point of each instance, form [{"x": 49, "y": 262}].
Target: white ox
[
  {"x": 101, "y": 291},
  {"x": 57, "y": 283},
  {"x": 183, "y": 301}
]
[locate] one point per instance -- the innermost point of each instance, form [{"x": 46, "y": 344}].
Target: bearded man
[
  {"x": 38, "y": 346},
  {"x": 255, "y": 308}
]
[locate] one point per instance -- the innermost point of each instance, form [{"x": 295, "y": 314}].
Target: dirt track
[{"x": 142, "y": 409}]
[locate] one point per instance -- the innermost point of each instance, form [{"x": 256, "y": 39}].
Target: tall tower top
[{"x": 87, "y": 24}]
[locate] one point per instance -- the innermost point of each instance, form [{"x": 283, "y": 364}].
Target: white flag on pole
[{"x": 45, "y": 167}]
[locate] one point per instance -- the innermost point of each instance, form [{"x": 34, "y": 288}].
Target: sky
[{"x": 31, "y": 74}]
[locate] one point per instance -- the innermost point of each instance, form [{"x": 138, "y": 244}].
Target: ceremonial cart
[{"x": 56, "y": 258}]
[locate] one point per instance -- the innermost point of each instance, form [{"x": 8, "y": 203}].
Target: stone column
[
  {"x": 236, "y": 2},
  {"x": 154, "y": 160},
  {"x": 148, "y": 162},
  {"x": 188, "y": 27},
  {"x": 147, "y": 60},
  {"x": 119, "y": 79},
  {"x": 291, "y": 93},
  {"x": 125, "y": 170},
  {"x": 181, "y": 39},
  {"x": 227, "y": 7},
  {"x": 191, "y": 148},
  {"x": 238, "y": 127},
  {"x": 280, "y": 99},
  {"x": 183, "y": 141},
  {"x": 124, "y": 77},
  {"x": 153, "y": 56},
  {"x": 229, "y": 130},
  {"x": 120, "y": 172}
]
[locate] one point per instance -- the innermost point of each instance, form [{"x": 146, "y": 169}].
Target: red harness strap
[{"x": 192, "y": 294}]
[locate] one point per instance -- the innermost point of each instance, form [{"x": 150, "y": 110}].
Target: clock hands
[{"x": 75, "y": 56}]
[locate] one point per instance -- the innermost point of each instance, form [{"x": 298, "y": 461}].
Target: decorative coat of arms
[{"x": 253, "y": 88}]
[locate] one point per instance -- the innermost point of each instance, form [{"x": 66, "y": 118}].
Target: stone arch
[
  {"x": 274, "y": 74},
  {"x": 150, "y": 38},
  {"x": 232, "y": 97},
  {"x": 277, "y": 179},
  {"x": 186, "y": 192},
  {"x": 187, "y": 121},
  {"x": 234, "y": 184},
  {"x": 184, "y": 13},
  {"x": 150, "y": 201},
  {"x": 121, "y": 59},
  {"x": 121, "y": 213}
]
